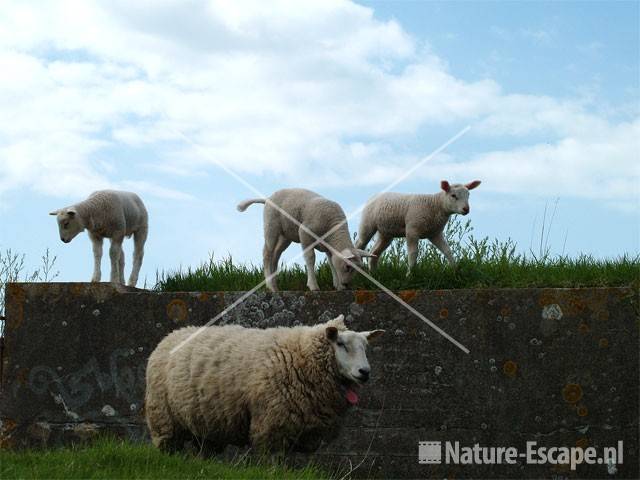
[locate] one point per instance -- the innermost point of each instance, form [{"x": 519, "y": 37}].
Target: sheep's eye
[
  {"x": 455, "y": 197},
  {"x": 65, "y": 225},
  {"x": 340, "y": 344}
]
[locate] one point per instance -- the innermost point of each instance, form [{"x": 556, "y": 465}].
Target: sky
[{"x": 164, "y": 98}]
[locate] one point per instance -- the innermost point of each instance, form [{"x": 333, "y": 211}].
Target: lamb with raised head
[
  {"x": 276, "y": 389},
  {"x": 109, "y": 214},
  {"x": 307, "y": 213},
  {"x": 414, "y": 216}
]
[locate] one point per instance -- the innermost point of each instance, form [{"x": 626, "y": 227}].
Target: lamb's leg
[
  {"x": 96, "y": 242},
  {"x": 334, "y": 274},
  {"x": 271, "y": 237},
  {"x": 412, "y": 250},
  {"x": 382, "y": 243},
  {"x": 306, "y": 241},
  {"x": 139, "y": 239},
  {"x": 281, "y": 246},
  {"x": 121, "y": 267},
  {"x": 114, "y": 254},
  {"x": 365, "y": 234},
  {"x": 441, "y": 244}
]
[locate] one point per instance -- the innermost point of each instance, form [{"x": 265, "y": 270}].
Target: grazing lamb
[
  {"x": 108, "y": 214},
  {"x": 395, "y": 215},
  {"x": 314, "y": 213},
  {"x": 277, "y": 389}
]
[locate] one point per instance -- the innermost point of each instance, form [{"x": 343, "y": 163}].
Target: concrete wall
[{"x": 556, "y": 366}]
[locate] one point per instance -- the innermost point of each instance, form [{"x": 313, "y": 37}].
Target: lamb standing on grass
[
  {"x": 277, "y": 389},
  {"x": 395, "y": 215},
  {"x": 317, "y": 214},
  {"x": 108, "y": 214}
]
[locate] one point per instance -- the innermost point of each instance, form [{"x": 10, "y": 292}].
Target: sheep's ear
[
  {"x": 72, "y": 212},
  {"x": 338, "y": 321},
  {"x": 332, "y": 333},
  {"x": 472, "y": 185},
  {"x": 372, "y": 335},
  {"x": 444, "y": 185},
  {"x": 364, "y": 253},
  {"x": 55, "y": 212}
]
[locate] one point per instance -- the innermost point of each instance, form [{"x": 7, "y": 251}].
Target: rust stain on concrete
[
  {"x": 582, "y": 442},
  {"x": 510, "y": 368},
  {"x": 572, "y": 393},
  {"x": 582, "y": 411},
  {"x": 584, "y": 328},
  {"x": 505, "y": 311},
  {"x": 603, "y": 343},
  {"x": 444, "y": 313},
  {"x": 177, "y": 310},
  {"x": 407, "y": 295},
  {"x": 364, "y": 296},
  {"x": 19, "y": 297},
  {"x": 203, "y": 297}
]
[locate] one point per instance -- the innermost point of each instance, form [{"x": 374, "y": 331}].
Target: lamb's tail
[{"x": 242, "y": 206}]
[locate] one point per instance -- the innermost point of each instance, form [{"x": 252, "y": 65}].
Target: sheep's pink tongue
[{"x": 352, "y": 397}]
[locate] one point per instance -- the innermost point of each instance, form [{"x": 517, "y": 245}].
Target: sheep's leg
[
  {"x": 309, "y": 259},
  {"x": 334, "y": 274},
  {"x": 441, "y": 244},
  {"x": 114, "y": 254},
  {"x": 164, "y": 433},
  {"x": 412, "y": 250},
  {"x": 139, "y": 239},
  {"x": 365, "y": 234},
  {"x": 121, "y": 267},
  {"x": 281, "y": 246},
  {"x": 267, "y": 256},
  {"x": 382, "y": 243},
  {"x": 96, "y": 242}
]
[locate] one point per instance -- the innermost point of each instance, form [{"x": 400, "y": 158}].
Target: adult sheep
[
  {"x": 109, "y": 214},
  {"x": 302, "y": 216},
  {"x": 413, "y": 216},
  {"x": 276, "y": 389}
]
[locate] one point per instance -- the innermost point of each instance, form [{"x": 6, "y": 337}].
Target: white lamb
[
  {"x": 413, "y": 216},
  {"x": 314, "y": 213},
  {"x": 108, "y": 214}
]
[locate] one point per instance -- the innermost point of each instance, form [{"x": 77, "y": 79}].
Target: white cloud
[{"x": 270, "y": 88}]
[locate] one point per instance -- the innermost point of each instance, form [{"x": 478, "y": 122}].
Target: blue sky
[{"x": 338, "y": 97}]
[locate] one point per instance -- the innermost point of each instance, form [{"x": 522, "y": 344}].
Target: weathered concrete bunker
[{"x": 556, "y": 366}]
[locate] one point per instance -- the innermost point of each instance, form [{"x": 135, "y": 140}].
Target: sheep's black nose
[
  {"x": 364, "y": 373},
  {"x": 465, "y": 210}
]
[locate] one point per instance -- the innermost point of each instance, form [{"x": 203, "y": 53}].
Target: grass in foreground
[
  {"x": 481, "y": 264},
  {"x": 108, "y": 459}
]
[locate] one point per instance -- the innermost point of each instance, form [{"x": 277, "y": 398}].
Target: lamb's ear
[
  {"x": 372, "y": 335},
  {"x": 55, "y": 212},
  {"x": 364, "y": 253},
  {"x": 472, "y": 185},
  {"x": 332, "y": 333},
  {"x": 444, "y": 185},
  {"x": 347, "y": 254}
]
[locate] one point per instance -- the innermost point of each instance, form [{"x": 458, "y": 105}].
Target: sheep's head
[
  {"x": 350, "y": 349},
  {"x": 345, "y": 261},
  {"x": 457, "y": 196},
  {"x": 68, "y": 223}
]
